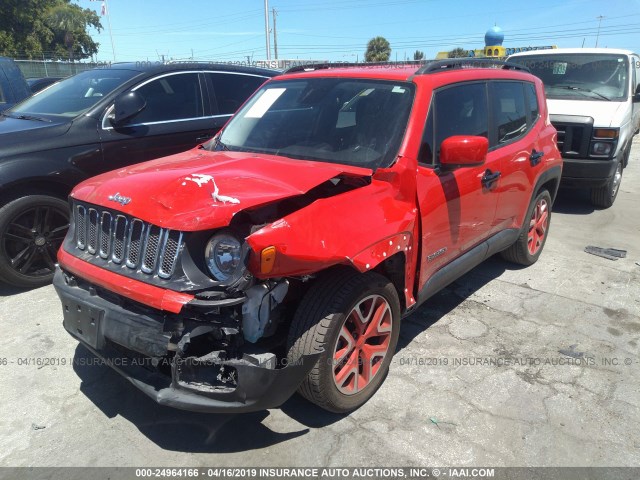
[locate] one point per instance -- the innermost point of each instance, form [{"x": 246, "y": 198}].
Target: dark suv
[
  {"x": 283, "y": 254},
  {"x": 99, "y": 120}
]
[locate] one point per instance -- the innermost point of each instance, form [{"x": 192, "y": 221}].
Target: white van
[{"x": 594, "y": 103}]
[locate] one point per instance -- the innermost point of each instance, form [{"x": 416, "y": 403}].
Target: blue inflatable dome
[{"x": 493, "y": 37}]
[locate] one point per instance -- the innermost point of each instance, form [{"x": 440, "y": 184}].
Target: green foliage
[
  {"x": 458, "y": 53},
  {"x": 418, "y": 55},
  {"x": 54, "y": 29},
  {"x": 378, "y": 50}
]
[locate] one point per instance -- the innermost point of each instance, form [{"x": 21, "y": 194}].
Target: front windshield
[
  {"x": 580, "y": 76},
  {"x": 337, "y": 120},
  {"x": 74, "y": 95}
]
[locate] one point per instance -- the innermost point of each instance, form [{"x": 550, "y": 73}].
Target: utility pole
[
  {"x": 600, "y": 17},
  {"x": 275, "y": 35},
  {"x": 266, "y": 28},
  {"x": 107, "y": 11}
]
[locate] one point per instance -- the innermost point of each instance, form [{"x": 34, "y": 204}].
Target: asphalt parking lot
[{"x": 506, "y": 367}]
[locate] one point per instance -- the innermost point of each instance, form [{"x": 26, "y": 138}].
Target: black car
[
  {"x": 37, "y": 84},
  {"x": 93, "y": 122}
]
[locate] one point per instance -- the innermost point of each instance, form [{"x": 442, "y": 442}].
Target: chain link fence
[{"x": 40, "y": 68}]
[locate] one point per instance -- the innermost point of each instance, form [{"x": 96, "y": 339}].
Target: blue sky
[{"x": 338, "y": 30}]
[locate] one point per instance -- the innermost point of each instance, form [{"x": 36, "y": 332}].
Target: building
[{"x": 493, "y": 47}]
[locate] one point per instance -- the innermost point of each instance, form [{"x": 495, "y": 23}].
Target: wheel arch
[
  {"x": 34, "y": 187},
  {"x": 389, "y": 257},
  {"x": 548, "y": 180}
]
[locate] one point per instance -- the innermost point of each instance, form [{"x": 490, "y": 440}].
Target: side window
[
  {"x": 173, "y": 97},
  {"x": 509, "y": 113},
  {"x": 231, "y": 90},
  {"x": 459, "y": 110},
  {"x": 532, "y": 100}
]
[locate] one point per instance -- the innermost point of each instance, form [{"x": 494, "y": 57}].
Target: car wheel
[
  {"x": 528, "y": 247},
  {"x": 32, "y": 229},
  {"x": 354, "y": 319},
  {"x": 603, "y": 197}
]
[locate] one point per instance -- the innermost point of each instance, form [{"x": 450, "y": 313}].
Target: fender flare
[{"x": 554, "y": 173}]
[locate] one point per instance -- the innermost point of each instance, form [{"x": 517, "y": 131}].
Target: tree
[
  {"x": 458, "y": 53},
  {"x": 54, "y": 29},
  {"x": 378, "y": 50},
  {"x": 418, "y": 55}
]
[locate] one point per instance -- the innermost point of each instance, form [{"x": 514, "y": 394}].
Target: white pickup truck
[{"x": 593, "y": 96}]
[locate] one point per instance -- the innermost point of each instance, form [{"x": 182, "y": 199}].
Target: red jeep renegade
[{"x": 283, "y": 254}]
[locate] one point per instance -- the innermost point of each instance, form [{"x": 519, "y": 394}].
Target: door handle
[
  {"x": 536, "y": 157},
  {"x": 489, "y": 177}
]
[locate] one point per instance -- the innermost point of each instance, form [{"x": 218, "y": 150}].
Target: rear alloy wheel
[
  {"x": 354, "y": 318},
  {"x": 32, "y": 229},
  {"x": 603, "y": 197},
  {"x": 528, "y": 247}
]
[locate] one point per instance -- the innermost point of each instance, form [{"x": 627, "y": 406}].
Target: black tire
[
  {"x": 318, "y": 323},
  {"x": 32, "y": 229},
  {"x": 603, "y": 197},
  {"x": 526, "y": 250}
]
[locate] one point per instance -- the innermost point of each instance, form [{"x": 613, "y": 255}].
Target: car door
[
  {"x": 177, "y": 117},
  {"x": 457, "y": 209},
  {"x": 514, "y": 110}
]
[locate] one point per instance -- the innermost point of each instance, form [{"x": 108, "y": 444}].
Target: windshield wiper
[
  {"x": 22, "y": 116},
  {"x": 582, "y": 89},
  {"x": 218, "y": 145}
]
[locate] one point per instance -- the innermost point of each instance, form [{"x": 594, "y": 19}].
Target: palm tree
[
  {"x": 418, "y": 55},
  {"x": 378, "y": 50},
  {"x": 65, "y": 20}
]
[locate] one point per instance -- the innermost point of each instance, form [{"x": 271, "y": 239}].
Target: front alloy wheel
[
  {"x": 362, "y": 345},
  {"x": 32, "y": 229},
  {"x": 354, "y": 319}
]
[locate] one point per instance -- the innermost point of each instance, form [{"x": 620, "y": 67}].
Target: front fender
[{"x": 361, "y": 227}]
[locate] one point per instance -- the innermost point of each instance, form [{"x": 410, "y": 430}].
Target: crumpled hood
[
  {"x": 198, "y": 189},
  {"x": 604, "y": 114}
]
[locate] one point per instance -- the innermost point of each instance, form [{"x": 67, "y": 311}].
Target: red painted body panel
[
  {"x": 155, "y": 297},
  {"x": 337, "y": 230},
  {"x": 162, "y": 193},
  {"x": 362, "y": 227}
]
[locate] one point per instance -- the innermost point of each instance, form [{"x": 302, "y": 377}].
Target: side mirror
[
  {"x": 636, "y": 95},
  {"x": 126, "y": 106},
  {"x": 463, "y": 151}
]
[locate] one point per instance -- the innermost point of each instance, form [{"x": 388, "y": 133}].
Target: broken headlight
[{"x": 225, "y": 257}]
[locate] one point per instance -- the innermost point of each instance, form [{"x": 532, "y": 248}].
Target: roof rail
[
  {"x": 453, "y": 63},
  {"x": 327, "y": 65}
]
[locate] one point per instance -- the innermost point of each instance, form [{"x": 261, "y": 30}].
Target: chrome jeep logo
[{"x": 120, "y": 199}]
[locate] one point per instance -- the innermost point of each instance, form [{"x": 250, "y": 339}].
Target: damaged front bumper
[{"x": 208, "y": 383}]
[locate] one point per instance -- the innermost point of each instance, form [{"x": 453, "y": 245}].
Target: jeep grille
[{"x": 123, "y": 240}]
